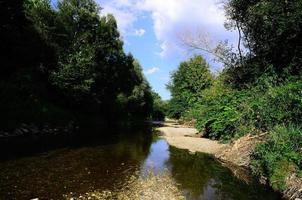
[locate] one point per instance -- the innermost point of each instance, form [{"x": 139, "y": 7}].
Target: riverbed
[{"x": 105, "y": 164}]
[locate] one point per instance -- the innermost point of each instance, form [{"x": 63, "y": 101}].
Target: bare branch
[{"x": 201, "y": 41}]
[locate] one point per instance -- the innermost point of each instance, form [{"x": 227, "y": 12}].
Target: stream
[{"x": 53, "y": 167}]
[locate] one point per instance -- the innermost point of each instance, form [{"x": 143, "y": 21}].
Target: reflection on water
[
  {"x": 157, "y": 158},
  {"x": 107, "y": 164},
  {"x": 201, "y": 177}
]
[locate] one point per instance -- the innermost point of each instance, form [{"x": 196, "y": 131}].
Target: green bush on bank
[
  {"x": 221, "y": 112},
  {"x": 279, "y": 155},
  {"x": 225, "y": 114},
  {"x": 278, "y": 105}
]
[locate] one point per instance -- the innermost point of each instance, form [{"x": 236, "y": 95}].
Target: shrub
[
  {"x": 282, "y": 104},
  {"x": 222, "y": 112},
  {"x": 279, "y": 155}
]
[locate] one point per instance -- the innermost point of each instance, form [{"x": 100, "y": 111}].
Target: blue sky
[{"x": 153, "y": 31}]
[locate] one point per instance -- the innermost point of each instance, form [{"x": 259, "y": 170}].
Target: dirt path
[{"x": 186, "y": 138}]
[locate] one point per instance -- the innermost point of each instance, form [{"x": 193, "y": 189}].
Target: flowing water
[{"x": 50, "y": 168}]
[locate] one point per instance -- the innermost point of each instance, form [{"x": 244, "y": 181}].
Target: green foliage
[
  {"x": 79, "y": 58},
  {"x": 272, "y": 34},
  {"x": 159, "y": 108},
  {"x": 187, "y": 83},
  {"x": 279, "y": 155},
  {"x": 222, "y": 112},
  {"x": 278, "y": 105},
  {"x": 76, "y": 75},
  {"x": 92, "y": 68}
]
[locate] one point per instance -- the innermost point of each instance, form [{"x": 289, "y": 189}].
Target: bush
[
  {"x": 282, "y": 104},
  {"x": 159, "y": 108},
  {"x": 222, "y": 112},
  {"x": 279, "y": 155}
]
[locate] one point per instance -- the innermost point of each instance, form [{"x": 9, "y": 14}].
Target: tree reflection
[
  {"x": 201, "y": 177},
  {"x": 78, "y": 169}
]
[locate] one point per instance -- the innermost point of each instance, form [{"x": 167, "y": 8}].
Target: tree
[
  {"x": 21, "y": 45},
  {"x": 140, "y": 102},
  {"x": 187, "y": 84},
  {"x": 159, "y": 108},
  {"x": 272, "y": 32},
  {"x": 91, "y": 67},
  {"x": 201, "y": 42}
]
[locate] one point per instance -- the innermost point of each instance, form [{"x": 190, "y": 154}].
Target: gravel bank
[{"x": 186, "y": 138}]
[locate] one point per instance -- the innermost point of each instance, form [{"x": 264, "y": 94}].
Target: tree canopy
[
  {"x": 272, "y": 34},
  {"x": 73, "y": 57},
  {"x": 187, "y": 84}
]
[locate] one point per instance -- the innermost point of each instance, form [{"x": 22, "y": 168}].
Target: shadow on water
[
  {"x": 104, "y": 159},
  {"x": 79, "y": 163},
  {"x": 89, "y": 134}
]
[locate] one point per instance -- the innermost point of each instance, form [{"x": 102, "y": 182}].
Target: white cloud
[
  {"x": 152, "y": 70},
  {"x": 170, "y": 17},
  {"x": 121, "y": 9},
  {"x": 139, "y": 32}
]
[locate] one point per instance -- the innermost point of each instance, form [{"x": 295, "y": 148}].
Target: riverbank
[
  {"x": 235, "y": 154},
  {"x": 188, "y": 138}
]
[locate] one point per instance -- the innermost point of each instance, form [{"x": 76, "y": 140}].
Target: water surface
[{"x": 87, "y": 162}]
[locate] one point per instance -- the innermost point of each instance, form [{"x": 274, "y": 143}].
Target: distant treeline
[
  {"x": 57, "y": 62},
  {"x": 259, "y": 89}
]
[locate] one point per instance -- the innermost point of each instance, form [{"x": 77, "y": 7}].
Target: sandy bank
[
  {"x": 237, "y": 153},
  {"x": 185, "y": 138}
]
